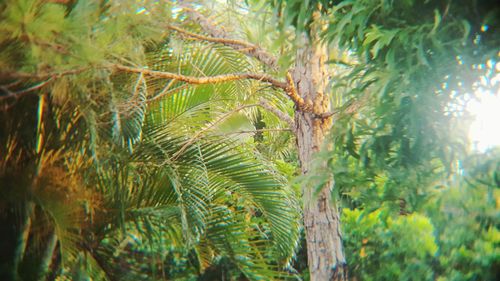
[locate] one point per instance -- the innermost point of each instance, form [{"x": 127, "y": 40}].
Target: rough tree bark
[{"x": 325, "y": 255}]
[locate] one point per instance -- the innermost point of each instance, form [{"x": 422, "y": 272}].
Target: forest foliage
[{"x": 111, "y": 174}]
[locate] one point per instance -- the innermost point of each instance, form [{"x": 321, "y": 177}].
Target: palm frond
[{"x": 232, "y": 171}]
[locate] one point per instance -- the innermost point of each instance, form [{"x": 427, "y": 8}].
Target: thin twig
[
  {"x": 255, "y": 131},
  {"x": 280, "y": 114},
  {"x": 35, "y": 87},
  {"x": 18, "y": 94},
  {"x": 201, "y": 132},
  {"x": 15, "y": 83},
  {"x": 167, "y": 92}
]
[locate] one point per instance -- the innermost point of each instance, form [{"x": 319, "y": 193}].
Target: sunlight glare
[{"x": 484, "y": 131}]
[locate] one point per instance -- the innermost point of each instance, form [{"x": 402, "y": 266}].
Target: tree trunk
[{"x": 325, "y": 254}]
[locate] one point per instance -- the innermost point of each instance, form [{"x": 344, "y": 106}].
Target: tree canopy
[{"x": 174, "y": 140}]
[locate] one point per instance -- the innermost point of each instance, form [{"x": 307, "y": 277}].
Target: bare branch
[
  {"x": 215, "y": 32},
  {"x": 204, "y": 80},
  {"x": 288, "y": 87},
  {"x": 280, "y": 114}
]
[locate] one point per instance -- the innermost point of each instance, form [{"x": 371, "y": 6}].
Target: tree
[
  {"x": 306, "y": 85},
  {"x": 312, "y": 123}
]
